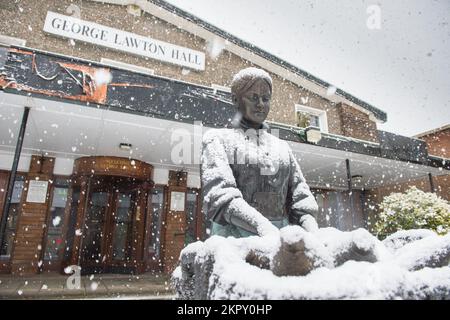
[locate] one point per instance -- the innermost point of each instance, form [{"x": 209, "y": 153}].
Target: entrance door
[{"x": 108, "y": 236}]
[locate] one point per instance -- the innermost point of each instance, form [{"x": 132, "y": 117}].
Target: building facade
[{"x": 98, "y": 95}]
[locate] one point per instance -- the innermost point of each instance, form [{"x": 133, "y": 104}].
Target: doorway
[{"x": 108, "y": 239}]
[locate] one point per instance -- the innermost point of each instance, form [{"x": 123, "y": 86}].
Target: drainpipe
[
  {"x": 12, "y": 176},
  {"x": 349, "y": 186},
  {"x": 430, "y": 178}
]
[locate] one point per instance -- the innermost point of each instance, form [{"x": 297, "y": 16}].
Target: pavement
[{"x": 100, "y": 286}]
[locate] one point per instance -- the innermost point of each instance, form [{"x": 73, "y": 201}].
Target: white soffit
[
  {"x": 63, "y": 166},
  {"x": 6, "y": 161},
  {"x": 325, "y": 167}
]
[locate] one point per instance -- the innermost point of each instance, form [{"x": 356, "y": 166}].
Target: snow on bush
[
  {"x": 416, "y": 268},
  {"x": 414, "y": 209}
]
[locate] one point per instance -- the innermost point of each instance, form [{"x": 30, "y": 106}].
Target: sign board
[
  {"x": 17, "y": 191},
  {"x": 90, "y": 32},
  {"x": 37, "y": 191},
  {"x": 177, "y": 201}
]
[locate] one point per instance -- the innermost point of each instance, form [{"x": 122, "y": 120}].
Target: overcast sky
[{"x": 403, "y": 68}]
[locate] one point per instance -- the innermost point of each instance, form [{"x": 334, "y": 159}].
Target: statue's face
[{"x": 254, "y": 104}]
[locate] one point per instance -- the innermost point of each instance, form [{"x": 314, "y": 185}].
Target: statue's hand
[
  {"x": 308, "y": 223},
  {"x": 266, "y": 228}
]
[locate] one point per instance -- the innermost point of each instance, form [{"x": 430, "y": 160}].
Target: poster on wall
[
  {"x": 37, "y": 191},
  {"x": 177, "y": 201}
]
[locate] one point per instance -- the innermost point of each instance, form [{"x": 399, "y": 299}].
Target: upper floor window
[{"x": 311, "y": 117}]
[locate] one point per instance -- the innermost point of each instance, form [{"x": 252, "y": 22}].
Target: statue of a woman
[{"x": 252, "y": 184}]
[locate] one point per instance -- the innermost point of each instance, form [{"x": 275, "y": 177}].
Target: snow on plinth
[{"x": 410, "y": 264}]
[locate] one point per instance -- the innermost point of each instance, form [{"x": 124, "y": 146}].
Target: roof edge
[
  {"x": 435, "y": 130},
  {"x": 379, "y": 114}
]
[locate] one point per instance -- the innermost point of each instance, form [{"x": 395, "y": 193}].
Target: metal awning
[{"x": 67, "y": 131}]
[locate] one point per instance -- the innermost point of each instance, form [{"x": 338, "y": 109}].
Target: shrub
[{"x": 413, "y": 209}]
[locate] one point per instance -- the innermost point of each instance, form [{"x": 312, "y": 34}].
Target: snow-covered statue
[
  {"x": 252, "y": 183},
  {"x": 265, "y": 242}
]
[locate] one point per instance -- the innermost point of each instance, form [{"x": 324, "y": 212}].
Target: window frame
[
  {"x": 198, "y": 220},
  {"x": 322, "y": 114},
  {"x": 5, "y": 260},
  {"x": 53, "y": 265}
]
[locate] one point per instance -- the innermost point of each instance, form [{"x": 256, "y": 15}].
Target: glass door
[
  {"x": 109, "y": 231},
  {"x": 122, "y": 226},
  {"x": 93, "y": 247}
]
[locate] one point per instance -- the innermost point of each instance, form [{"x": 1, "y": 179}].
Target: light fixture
[
  {"x": 313, "y": 134},
  {"x": 357, "y": 178},
  {"x": 125, "y": 146}
]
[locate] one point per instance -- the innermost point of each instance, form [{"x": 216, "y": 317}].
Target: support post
[
  {"x": 12, "y": 176},
  {"x": 430, "y": 178},
  {"x": 349, "y": 186}
]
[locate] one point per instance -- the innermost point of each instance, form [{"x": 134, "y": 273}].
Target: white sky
[{"x": 402, "y": 68}]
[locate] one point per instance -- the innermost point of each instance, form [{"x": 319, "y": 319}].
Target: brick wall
[
  {"x": 175, "y": 223},
  {"x": 28, "y": 25},
  {"x": 438, "y": 143},
  {"x": 356, "y": 124},
  {"x": 175, "y": 227},
  {"x": 31, "y": 222}
]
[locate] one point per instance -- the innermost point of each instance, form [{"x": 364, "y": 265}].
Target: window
[
  {"x": 157, "y": 200},
  {"x": 13, "y": 213},
  {"x": 191, "y": 216},
  {"x": 54, "y": 243},
  {"x": 74, "y": 203},
  {"x": 311, "y": 117}
]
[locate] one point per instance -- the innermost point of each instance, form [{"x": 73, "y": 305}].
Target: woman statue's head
[{"x": 251, "y": 91}]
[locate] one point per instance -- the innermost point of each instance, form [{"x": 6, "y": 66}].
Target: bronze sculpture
[{"x": 252, "y": 183}]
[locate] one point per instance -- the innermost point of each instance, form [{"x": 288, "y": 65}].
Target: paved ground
[{"x": 106, "y": 286}]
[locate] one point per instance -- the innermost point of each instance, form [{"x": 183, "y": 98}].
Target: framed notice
[
  {"x": 177, "y": 201},
  {"x": 37, "y": 191}
]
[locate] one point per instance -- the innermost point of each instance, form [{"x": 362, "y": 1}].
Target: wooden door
[{"x": 113, "y": 235}]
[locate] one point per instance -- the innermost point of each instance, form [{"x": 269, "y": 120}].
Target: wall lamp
[
  {"x": 357, "y": 178},
  {"x": 125, "y": 146},
  {"x": 313, "y": 134}
]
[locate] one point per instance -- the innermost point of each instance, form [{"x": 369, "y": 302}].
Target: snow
[
  {"x": 400, "y": 238},
  {"x": 94, "y": 286},
  {"x": 215, "y": 47},
  {"x": 102, "y": 76},
  {"x": 331, "y": 90},
  {"x": 426, "y": 251},
  {"x": 56, "y": 221},
  {"x": 315, "y": 248},
  {"x": 250, "y": 73},
  {"x": 402, "y": 273}
]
